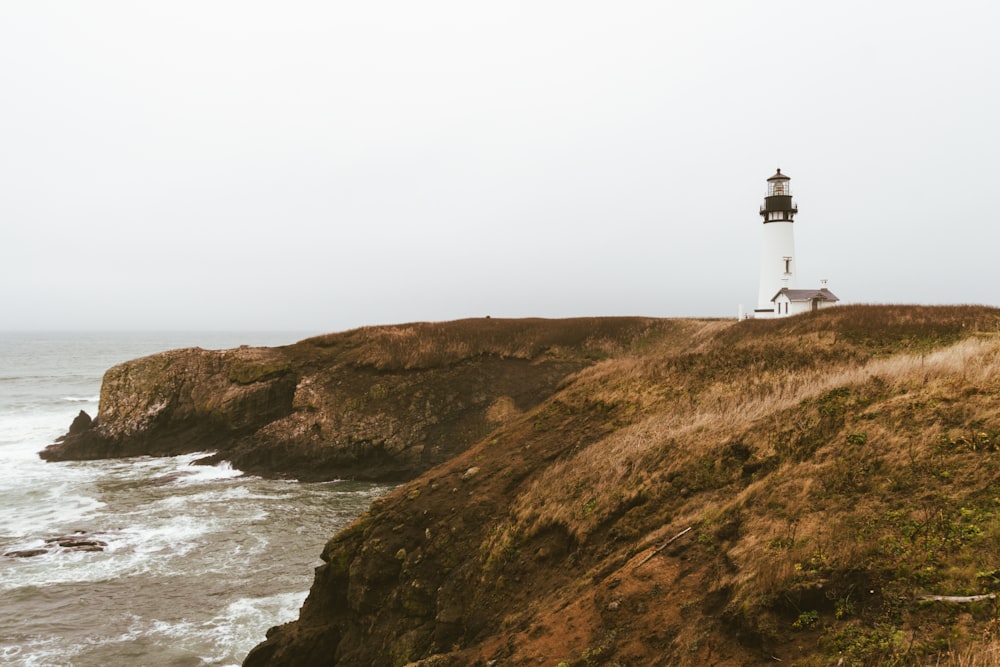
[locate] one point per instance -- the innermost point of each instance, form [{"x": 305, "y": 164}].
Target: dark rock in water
[
  {"x": 170, "y": 478},
  {"x": 210, "y": 460},
  {"x": 26, "y": 553},
  {"x": 82, "y": 423},
  {"x": 78, "y": 543}
]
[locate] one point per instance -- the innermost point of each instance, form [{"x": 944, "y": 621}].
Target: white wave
[
  {"x": 82, "y": 399},
  {"x": 38, "y": 652},
  {"x": 22, "y": 520},
  {"x": 130, "y": 551},
  {"x": 243, "y": 620},
  {"x": 153, "y": 542},
  {"x": 23, "y": 435},
  {"x": 207, "y": 501},
  {"x": 235, "y": 630},
  {"x": 199, "y": 474},
  {"x": 39, "y": 500}
]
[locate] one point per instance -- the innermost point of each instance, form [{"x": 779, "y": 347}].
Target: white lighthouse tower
[
  {"x": 777, "y": 295},
  {"x": 777, "y": 255}
]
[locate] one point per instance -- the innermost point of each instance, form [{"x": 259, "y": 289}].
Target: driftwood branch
[
  {"x": 663, "y": 546},
  {"x": 958, "y": 599}
]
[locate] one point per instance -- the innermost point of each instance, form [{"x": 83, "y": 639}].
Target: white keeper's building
[{"x": 777, "y": 295}]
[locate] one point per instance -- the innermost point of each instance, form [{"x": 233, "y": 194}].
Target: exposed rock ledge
[{"x": 374, "y": 403}]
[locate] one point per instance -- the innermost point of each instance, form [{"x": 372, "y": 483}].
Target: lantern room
[
  {"x": 778, "y": 185},
  {"x": 778, "y": 205}
]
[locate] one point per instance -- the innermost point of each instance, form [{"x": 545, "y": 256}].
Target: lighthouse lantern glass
[{"x": 778, "y": 187}]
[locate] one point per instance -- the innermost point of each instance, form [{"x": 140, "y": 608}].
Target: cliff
[
  {"x": 707, "y": 492},
  {"x": 381, "y": 403}
]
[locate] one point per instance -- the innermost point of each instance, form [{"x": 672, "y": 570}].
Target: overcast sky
[{"x": 248, "y": 165}]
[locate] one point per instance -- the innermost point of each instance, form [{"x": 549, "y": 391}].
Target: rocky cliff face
[
  {"x": 377, "y": 403},
  {"x": 182, "y": 401}
]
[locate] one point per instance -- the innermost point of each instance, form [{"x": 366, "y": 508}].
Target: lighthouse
[
  {"x": 777, "y": 295},
  {"x": 777, "y": 253}
]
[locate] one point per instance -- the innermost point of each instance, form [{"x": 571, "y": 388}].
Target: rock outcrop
[
  {"x": 381, "y": 403},
  {"x": 78, "y": 541},
  {"x": 182, "y": 401}
]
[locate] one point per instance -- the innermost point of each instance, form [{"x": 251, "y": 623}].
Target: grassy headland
[{"x": 832, "y": 472}]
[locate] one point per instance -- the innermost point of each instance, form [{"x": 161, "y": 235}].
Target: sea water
[{"x": 190, "y": 564}]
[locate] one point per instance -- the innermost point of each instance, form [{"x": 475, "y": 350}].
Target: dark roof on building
[
  {"x": 806, "y": 294},
  {"x": 779, "y": 177}
]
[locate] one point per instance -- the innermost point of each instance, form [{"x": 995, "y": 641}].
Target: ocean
[{"x": 142, "y": 561}]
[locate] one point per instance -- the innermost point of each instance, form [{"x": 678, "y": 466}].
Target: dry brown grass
[
  {"x": 618, "y": 463},
  {"x": 984, "y": 654},
  {"x": 852, "y": 452},
  {"x": 434, "y": 344}
]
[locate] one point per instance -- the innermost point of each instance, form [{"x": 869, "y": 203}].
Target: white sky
[{"x": 324, "y": 165}]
